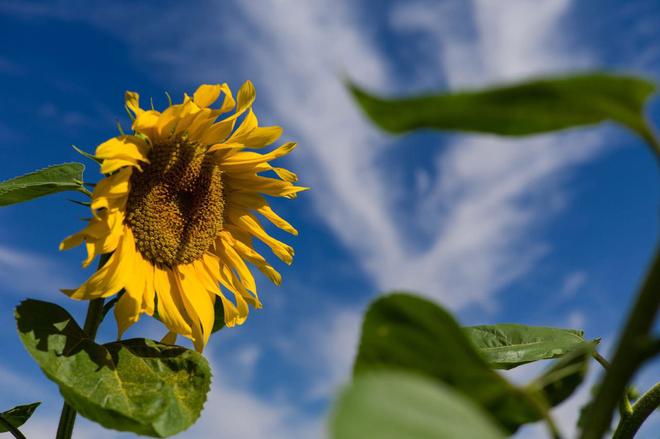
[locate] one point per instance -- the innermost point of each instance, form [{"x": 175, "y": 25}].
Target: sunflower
[{"x": 177, "y": 212}]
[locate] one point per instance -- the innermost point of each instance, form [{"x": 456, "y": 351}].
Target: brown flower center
[{"x": 175, "y": 205}]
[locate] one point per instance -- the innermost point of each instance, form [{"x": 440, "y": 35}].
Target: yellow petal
[
  {"x": 228, "y": 102},
  {"x": 132, "y": 100},
  {"x": 245, "y": 97},
  {"x": 111, "y": 188},
  {"x": 198, "y": 301},
  {"x": 204, "y": 277},
  {"x": 170, "y": 305},
  {"x": 188, "y": 113},
  {"x": 246, "y": 160},
  {"x": 251, "y": 135},
  {"x": 124, "y": 147},
  {"x": 200, "y": 124},
  {"x": 207, "y": 94},
  {"x": 258, "y": 203},
  {"x": 249, "y": 223},
  {"x": 268, "y": 186},
  {"x": 147, "y": 124},
  {"x": 249, "y": 254},
  {"x": 149, "y": 293},
  {"x": 111, "y": 165},
  {"x": 230, "y": 256},
  {"x": 112, "y": 277},
  {"x": 232, "y": 316},
  {"x": 170, "y": 338},
  {"x": 217, "y": 133},
  {"x": 127, "y": 312},
  {"x": 168, "y": 120}
]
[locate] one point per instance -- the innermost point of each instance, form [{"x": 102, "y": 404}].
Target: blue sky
[{"x": 552, "y": 230}]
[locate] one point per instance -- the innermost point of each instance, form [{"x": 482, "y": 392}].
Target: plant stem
[
  {"x": 641, "y": 410},
  {"x": 625, "y": 408},
  {"x": 629, "y": 354},
  {"x": 93, "y": 319},
  {"x": 10, "y": 428}
]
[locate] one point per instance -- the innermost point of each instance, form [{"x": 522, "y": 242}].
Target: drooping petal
[
  {"x": 198, "y": 303},
  {"x": 251, "y": 224},
  {"x": 169, "y": 305},
  {"x": 257, "y": 203},
  {"x": 229, "y": 255},
  {"x": 112, "y": 277},
  {"x": 127, "y": 312}
]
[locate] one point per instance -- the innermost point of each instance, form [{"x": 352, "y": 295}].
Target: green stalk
[
  {"x": 641, "y": 410},
  {"x": 10, "y": 428},
  {"x": 625, "y": 408},
  {"x": 93, "y": 320},
  {"x": 631, "y": 351}
]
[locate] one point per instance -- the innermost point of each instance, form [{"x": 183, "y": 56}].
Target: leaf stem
[
  {"x": 93, "y": 320},
  {"x": 641, "y": 410},
  {"x": 650, "y": 138},
  {"x": 10, "y": 428},
  {"x": 630, "y": 353}
]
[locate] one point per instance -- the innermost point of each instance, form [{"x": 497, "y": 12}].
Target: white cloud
[
  {"x": 31, "y": 273},
  {"x": 240, "y": 414},
  {"x": 573, "y": 283}
]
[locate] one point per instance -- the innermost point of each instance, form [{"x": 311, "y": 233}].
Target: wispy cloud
[{"x": 31, "y": 273}]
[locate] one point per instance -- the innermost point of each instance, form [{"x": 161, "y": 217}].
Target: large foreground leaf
[
  {"x": 407, "y": 332},
  {"x": 51, "y": 180},
  {"x": 18, "y": 415},
  {"x": 395, "y": 405},
  {"x": 537, "y": 106},
  {"x": 508, "y": 345},
  {"x": 134, "y": 385}
]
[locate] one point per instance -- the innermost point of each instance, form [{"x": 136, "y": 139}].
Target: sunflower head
[{"x": 178, "y": 211}]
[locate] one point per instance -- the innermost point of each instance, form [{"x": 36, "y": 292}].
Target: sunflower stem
[
  {"x": 631, "y": 351},
  {"x": 10, "y": 428},
  {"x": 641, "y": 410},
  {"x": 625, "y": 407},
  {"x": 93, "y": 320}
]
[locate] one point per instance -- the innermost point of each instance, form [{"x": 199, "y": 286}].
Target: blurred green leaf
[
  {"x": 508, "y": 345},
  {"x": 134, "y": 385},
  {"x": 395, "y": 405},
  {"x": 562, "y": 378},
  {"x": 402, "y": 331},
  {"x": 47, "y": 181},
  {"x": 537, "y": 106},
  {"x": 18, "y": 415}
]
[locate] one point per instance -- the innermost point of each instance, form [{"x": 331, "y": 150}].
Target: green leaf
[
  {"x": 395, "y": 405},
  {"x": 509, "y": 345},
  {"x": 559, "y": 382},
  {"x": 537, "y": 106},
  {"x": 134, "y": 385},
  {"x": 47, "y": 181},
  {"x": 407, "y": 332},
  {"x": 18, "y": 415}
]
